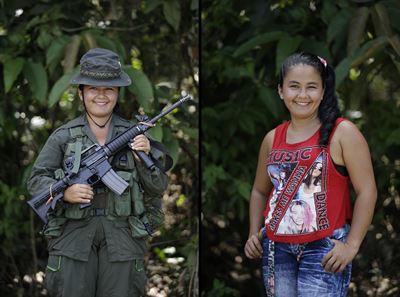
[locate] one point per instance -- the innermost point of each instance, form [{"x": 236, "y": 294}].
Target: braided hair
[{"x": 328, "y": 110}]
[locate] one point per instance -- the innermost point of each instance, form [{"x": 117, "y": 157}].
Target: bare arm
[
  {"x": 261, "y": 187},
  {"x": 359, "y": 165},
  {"x": 357, "y": 159}
]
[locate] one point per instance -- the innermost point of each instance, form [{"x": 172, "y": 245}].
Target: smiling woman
[
  {"x": 302, "y": 92},
  {"x": 96, "y": 243},
  {"x": 99, "y": 103},
  {"x": 306, "y": 242}
]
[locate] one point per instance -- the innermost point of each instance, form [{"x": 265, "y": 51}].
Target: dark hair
[
  {"x": 328, "y": 110},
  {"x": 309, "y": 176}
]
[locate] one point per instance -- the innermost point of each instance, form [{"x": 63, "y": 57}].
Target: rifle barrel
[
  {"x": 120, "y": 141},
  {"x": 169, "y": 109}
]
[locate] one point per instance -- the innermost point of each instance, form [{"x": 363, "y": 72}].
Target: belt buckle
[{"x": 99, "y": 211}]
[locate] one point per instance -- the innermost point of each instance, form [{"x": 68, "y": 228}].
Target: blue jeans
[{"x": 297, "y": 269}]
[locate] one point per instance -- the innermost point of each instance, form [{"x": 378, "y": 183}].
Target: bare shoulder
[
  {"x": 345, "y": 138},
  {"x": 348, "y": 133},
  {"x": 353, "y": 145},
  {"x": 268, "y": 141},
  {"x": 356, "y": 157},
  {"x": 347, "y": 125}
]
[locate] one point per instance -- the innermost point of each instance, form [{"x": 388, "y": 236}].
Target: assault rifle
[{"x": 95, "y": 167}]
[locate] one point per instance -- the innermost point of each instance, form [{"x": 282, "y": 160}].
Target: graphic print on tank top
[
  {"x": 298, "y": 191},
  {"x": 279, "y": 175}
]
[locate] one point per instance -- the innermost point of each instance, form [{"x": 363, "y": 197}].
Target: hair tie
[{"x": 323, "y": 61}]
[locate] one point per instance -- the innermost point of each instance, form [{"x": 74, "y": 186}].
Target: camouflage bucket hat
[{"x": 101, "y": 67}]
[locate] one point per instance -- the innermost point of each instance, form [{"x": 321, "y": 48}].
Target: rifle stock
[{"x": 42, "y": 202}]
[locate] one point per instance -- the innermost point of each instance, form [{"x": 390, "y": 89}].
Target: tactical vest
[{"x": 143, "y": 212}]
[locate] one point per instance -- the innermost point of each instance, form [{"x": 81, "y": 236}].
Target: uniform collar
[
  {"x": 86, "y": 128},
  {"x": 116, "y": 121}
]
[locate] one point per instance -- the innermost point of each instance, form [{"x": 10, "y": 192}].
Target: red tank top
[{"x": 310, "y": 198}]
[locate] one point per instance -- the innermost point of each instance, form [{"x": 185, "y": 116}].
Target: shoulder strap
[
  {"x": 169, "y": 162},
  {"x": 77, "y": 133},
  {"x": 280, "y": 134}
]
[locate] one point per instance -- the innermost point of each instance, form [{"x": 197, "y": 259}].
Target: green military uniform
[{"x": 99, "y": 250}]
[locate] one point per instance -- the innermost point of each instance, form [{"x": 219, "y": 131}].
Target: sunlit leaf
[
  {"x": 181, "y": 200},
  {"x": 71, "y": 53},
  {"x": 120, "y": 49},
  {"x": 58, "y": 89},
  {"x": 141, "y": 87},
  {"x": 161, "y": 255},
  {"x": 368, "y": 50},
  {"x": 37, "y": 80},
  {"x": 358, "y": 57},
  {"x": 12, "y": 69},
  {"x": 55, "y": 53},
  {"x": 156, "y": 132},
  {"x": 105, "y": 42}
]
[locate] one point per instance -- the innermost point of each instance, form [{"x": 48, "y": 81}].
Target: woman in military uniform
[{"x": 97, "y": 250}]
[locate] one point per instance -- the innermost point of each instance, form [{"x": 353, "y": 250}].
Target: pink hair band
[{"x": 323, "y": 61}]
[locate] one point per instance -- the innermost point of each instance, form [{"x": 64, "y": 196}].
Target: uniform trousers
[{"x": 97, "y": 277}]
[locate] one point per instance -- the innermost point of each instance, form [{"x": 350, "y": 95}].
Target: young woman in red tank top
[{"x": 303, "y": 227}]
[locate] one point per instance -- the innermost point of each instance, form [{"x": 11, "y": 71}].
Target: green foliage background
[
  {"x": 41, "y": 43},
  {"x": 243, "y": 45}
]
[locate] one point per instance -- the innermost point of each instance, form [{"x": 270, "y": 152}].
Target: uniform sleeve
[
  {"x": 154, "y": 182},
  {"x": 49, "y": 160}
]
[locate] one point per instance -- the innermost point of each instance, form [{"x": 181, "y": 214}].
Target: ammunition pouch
[{"x": 120, "y": 206}]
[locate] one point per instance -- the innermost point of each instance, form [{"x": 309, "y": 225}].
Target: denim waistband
[
  {"x": 341, "y": 232},
  {"x": 337, "y": 233}
]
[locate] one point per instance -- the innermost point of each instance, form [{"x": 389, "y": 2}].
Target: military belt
[{"x": 94, "y": 212}]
